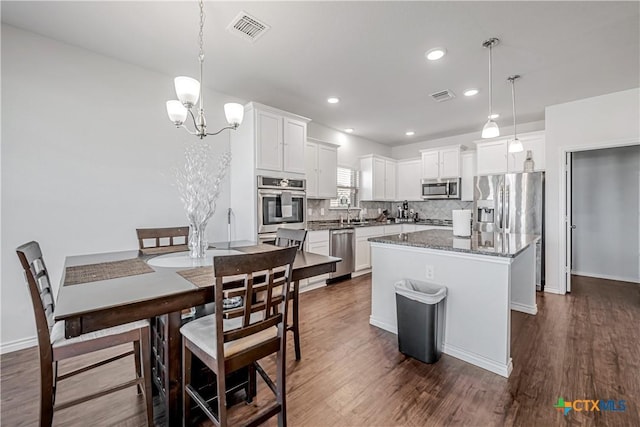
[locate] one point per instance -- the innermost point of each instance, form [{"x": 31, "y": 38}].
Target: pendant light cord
[
  {"x": 490, "y": 81},
  {"x": 201, "y": 53},
  {"x": 513, "y": 99}
]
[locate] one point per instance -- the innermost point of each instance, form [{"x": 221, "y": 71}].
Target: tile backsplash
[{"x": 431, "y": 209}]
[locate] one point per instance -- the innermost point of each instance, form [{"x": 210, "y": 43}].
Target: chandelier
[{"x": 189, "y": 92}]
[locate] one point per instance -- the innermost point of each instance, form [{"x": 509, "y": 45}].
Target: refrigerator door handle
[
  {"x": 506, "y": 212},
  {"x": 501, "y": 206}
]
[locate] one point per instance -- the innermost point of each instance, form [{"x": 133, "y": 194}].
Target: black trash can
[{"x": 420, "y": 309}]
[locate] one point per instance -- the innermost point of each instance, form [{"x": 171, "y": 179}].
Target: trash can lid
[{"x": 425, "y": 292}]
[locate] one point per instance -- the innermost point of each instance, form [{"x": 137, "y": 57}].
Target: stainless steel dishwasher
[{"x": 342, "y": 245}]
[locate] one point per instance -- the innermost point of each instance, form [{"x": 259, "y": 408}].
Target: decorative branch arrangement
[{"x": 198, "y": 183}]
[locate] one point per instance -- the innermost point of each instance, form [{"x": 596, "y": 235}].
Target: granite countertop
[
  {"x": 335, "y": 225},
  {"x": 494, "y": 244}
]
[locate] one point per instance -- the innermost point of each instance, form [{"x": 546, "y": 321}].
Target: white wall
[
  {"x": 602, "y": 121},
  {"x": 87, "y": 152},
  {"x": 351, "y": 146},
  {"x": 605, "y": 190},
  {"x": 412, "y": 150}
]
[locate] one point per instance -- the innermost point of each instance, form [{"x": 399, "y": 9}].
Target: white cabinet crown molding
[
  {"x": 257, "y": 106},
  {"x": 320, "y": 141}
]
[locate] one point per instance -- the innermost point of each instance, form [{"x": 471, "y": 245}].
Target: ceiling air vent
[
  {"x": 248, "y": 27},
  {"x": 443, "y": 95}
]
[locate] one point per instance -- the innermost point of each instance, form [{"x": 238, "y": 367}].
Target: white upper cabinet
[
  {"x": 494, "y": 158},
  {"x": 295, "y": 137},
  {"x": 269, "y": 139},
  {"x": 321, "y": 163},
  {"x": 409, "y": 174},
  {"x": 377, "y": 178},
  {"x": 439, "y": 163},
  {"x": 280, "y": 139}
]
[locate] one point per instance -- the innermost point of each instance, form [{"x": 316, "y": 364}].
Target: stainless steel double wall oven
[{"x": 282, "y": 203}]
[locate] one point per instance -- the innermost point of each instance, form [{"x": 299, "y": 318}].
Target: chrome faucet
[{"x": 349, "y": 213}]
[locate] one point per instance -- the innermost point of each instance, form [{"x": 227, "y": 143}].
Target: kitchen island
[{"x": 486, "y": 276}]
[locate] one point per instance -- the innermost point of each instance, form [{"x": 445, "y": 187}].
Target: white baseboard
[
  {"x": 523, "y": 308},
  {"x": 479, "y": 361},
  {"x": 312, "y": 286},
  {"x": 383, "y": 325},
  {"x": 551, "y": 290},
  {"x": 16, "y": 345},
  {"x": 361, "y": 272},
  {"x": 607, "y": 277}
]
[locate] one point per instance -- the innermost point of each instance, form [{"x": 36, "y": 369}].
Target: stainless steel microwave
[{"x": 441, "y": 189}]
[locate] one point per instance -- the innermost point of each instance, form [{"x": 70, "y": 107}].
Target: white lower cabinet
[
  {"x": 363, "y": 247},
  {"x": 318, "y": 243}
]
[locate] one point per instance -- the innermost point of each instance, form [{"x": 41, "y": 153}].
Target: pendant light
[
  {"x": 515, "y": 146},
  {"x": 490, "y": 129},
  {"x": 189, "y": 90}
]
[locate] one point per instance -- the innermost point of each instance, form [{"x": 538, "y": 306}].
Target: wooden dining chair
[
  {"x": 288, "y": 237},
  {"x": 54, "y": 346},
  {"x": 155, "y": 241},
  {"x": 236, "y": 338}
]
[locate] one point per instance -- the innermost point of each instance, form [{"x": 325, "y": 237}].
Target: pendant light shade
[
  {"x": 188, "y": 90},
  {"x": 490, "y": 129},
  {"x": 177, "y": 112},
  {"x": 515, "y": 146},
  {"x": 234, "y": 113}
]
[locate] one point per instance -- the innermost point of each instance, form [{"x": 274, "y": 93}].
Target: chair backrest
[
  {"x": 162, "y": 237},
  {"x": 37, "y": 277},
  {"x": 288, "y": 237},
  {"x": 247, "y": 275}
]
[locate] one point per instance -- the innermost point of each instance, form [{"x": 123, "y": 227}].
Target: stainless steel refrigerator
[{"x": 512, "y": 203}]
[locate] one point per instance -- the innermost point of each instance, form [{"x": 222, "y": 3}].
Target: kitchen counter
[
  {"x": 335, "y": 225},
  {"x": 494, "y": 244}
]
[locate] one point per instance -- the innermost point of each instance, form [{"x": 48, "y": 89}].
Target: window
[{"x": 348, "y": 182}]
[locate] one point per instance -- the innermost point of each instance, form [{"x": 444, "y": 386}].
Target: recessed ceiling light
[
  {"x": 435, "y": 53},
  {"x": 349, "y": 130},
  {"x": 333, "y": 100},
  {"x": 409, "y": 133},
  {"x": 493, "y": 116},
  {"x": 471, "y": 92}
]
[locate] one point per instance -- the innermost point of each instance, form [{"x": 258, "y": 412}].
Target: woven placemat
[
  {"x": 200, "y": 276},
  {"x": 105, "y": 271}
]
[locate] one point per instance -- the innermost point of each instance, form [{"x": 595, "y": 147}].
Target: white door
[
  {"x": 311, "y": 168},
  {"x": 378, "y": 179},
  {"x": 468, "y": 172},
  {"x": 450, "y": 162},
  {"x": 408, "y": 175},
  {"x": 390, "y": 180},
  {"x": 492, "y": 157},
  {"x": 363, "y": 255},
  {"x": 568, "y": 225},
  {"x": 269, "y": 141},
  {"x": 295, "y": 138},
  {"x": 327, "y": 171},
  {"x": 430, "y": 165}
]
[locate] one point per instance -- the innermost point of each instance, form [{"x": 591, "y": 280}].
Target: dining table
[{"x": 103, "y": 290}]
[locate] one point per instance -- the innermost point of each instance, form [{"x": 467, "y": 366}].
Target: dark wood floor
[{"x": 585, "y": 345}]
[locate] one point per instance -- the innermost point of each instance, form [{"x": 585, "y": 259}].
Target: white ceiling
[{"x": 370, "y": 54}]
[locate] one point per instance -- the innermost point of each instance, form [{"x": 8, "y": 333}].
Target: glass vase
[{"x": 198, "y": 240}]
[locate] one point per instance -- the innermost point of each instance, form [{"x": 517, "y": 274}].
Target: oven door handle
[{"x": 279, "y": 192}]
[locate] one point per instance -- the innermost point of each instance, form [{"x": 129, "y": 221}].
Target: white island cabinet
[{"x": 486, "y": 277}]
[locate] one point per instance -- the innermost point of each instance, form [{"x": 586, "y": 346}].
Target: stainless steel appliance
[
  {"x": 342, "y": 245},
  {"x": 512, "y": 203},
  {"x": 282, "y": 203},
  {"x": 441, "y": 189}
]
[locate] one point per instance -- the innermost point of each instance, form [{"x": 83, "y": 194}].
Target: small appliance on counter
[{"x": 461, "y": 222}]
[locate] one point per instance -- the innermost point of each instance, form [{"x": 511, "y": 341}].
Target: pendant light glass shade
[
  {"x": 490, "y": 129},
  {"x": 188, "y": 90},
  {"x": 515, "y": 146},
  {"x": 177, "y": 112},
  {"x": 234, "y": 113}
]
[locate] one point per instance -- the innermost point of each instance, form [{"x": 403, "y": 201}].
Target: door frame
[{"x": 565, "y": 194}]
